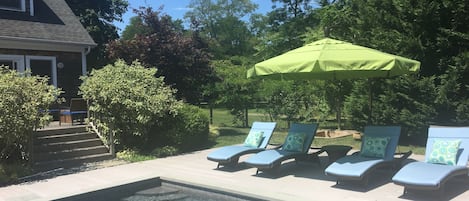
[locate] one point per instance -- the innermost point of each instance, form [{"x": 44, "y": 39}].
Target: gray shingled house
[{"x": 44, "y": 36}]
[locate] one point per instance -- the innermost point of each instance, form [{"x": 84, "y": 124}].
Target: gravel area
[{"x": 37, "y": 177}]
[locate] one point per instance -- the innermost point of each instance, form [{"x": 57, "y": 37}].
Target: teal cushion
[
  {"x": 374, "y": 147},
  {"x": 253, "y": 139},
  {"x": 444, "y": 152},
  {"x": 294, "y": 142}
]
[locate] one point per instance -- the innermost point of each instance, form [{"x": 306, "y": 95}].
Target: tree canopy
[
  {"x": 182, "y": 59},
  {"x": 433, "y": 32},
  {"x": 97, "y": 17}
]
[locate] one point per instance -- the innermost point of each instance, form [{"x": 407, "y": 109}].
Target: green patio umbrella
[{"x": 330, "y": 59}]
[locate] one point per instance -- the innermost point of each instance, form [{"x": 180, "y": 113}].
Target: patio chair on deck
[
  {"x": 377, "y": 150},
  {"x": 256, "y": 141},
  {"x": 446, "y": 156},
  {"x": 78, "y": 109},
  {"x": 296, "y": 146}
]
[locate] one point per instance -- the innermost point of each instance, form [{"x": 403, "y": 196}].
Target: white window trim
[
  {"x": 22, "y": 9},
  {"x": 18, "y": 59},
  {"x": 47, "y": 58},
  {"x": 31, "y": 7}
]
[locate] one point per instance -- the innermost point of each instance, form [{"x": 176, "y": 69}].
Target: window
[
  {"x": 43, "y": 66},
  {"x": 15, "y": 62},
  {"x": 15, "y": 5}
]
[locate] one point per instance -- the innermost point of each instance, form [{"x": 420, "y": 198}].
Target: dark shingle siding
[{"x": 65, "y": 28}]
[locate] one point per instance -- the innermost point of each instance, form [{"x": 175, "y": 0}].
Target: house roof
[{"x": 53, "y": 23}]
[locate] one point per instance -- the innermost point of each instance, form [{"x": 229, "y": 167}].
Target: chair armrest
[
  {"x": 276, "y": 146},
  {"x": 317, "y": 152},
  {"x": 404, "y": 155}
]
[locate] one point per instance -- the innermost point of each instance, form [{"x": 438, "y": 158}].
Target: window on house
[
  {"x": 16, "y": 5},
  {"x": 14, "y": 62},
  {"x": 43, "y": 66}
]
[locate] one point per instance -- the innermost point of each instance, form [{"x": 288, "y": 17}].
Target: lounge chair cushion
[
  {"x": 352, "y": 166},
  {"x": 444, "y": 152},
  {"x": 253, "y": 139},
  {"x": 294, "y": 142},
  {"x": 228, "y": 152},
  {"x": 268, "y": 157},
  {"x": 374, "y": 147},
  {"x": 425, "y": 174}
]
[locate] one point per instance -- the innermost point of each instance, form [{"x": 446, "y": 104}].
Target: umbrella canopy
[{"x": 333, "y": 59}]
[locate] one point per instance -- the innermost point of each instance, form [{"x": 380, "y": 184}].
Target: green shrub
[
  {"x": 130, "y": 100},
  {"x": 23, "y": 100},
  {"x": 188, "y": 130},
  {"x": 161, "y": 152},
  {"x": 133, "y": 156}
]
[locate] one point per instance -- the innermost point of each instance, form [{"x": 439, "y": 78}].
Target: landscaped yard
[{"x": 230, "y": 134}]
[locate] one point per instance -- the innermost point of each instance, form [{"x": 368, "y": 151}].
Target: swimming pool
[{"x": 157, "y": 189}]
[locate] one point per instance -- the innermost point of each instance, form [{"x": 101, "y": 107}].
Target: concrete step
[
  {"x": 70, "y": 153},
  {"x": 59, "y": 146},
  {"x": 60, "y": 130},
  {"x": 159, "y": 193},
  {"x": 64, "y": 137},
  {"x": 70, "y": 162}
]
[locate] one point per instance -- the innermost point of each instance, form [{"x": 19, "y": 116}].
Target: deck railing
[{"x": 106, "y": 133}]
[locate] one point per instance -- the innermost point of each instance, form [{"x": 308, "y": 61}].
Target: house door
[
  {"x": 14, "y": 62},
  {"x": 43, "y": 66}
]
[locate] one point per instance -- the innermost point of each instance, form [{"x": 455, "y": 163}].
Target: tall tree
[
  {"x": 98, "y": 17},
  {"x": 134, "y": 28},
  {"x": 182, "y": 59},
  {"x": 220, "y": 22},
  {"x": 433, "y": 32}
]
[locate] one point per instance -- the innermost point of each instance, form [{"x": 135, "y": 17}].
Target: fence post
[
  {"x": 246, "y": 120},
  {"x": 211, "y": 113}
]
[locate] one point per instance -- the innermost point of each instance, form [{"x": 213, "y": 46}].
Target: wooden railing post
[{"x": 112, "y": 149}]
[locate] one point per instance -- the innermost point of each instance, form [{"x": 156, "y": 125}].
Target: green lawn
[{"x": 230, "y": 134}]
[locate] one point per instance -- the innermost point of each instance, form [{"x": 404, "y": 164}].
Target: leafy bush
[
  {"x": 130, "y": 100},
  {"x": 188, "y": 130},
  {"x": 404, "y": 101},
  {"x": 165, "y": 151},
  {"x": 22, "y": 102}
]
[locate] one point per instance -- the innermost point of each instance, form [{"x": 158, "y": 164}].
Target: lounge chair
[
  {"x": 378, "y": 147},
  {"x": 296, "y": 146},
  {"x": 257, "y": 140},
  {"x": 437, "y": 169}
]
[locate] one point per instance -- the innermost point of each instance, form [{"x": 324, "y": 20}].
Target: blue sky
[{"x": 175, "y": 8}]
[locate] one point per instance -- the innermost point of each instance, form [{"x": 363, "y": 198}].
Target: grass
[{"x": 230, "y": 133}]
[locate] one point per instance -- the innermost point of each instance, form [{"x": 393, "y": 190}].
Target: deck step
[
  {"x": 57, "y": 146},
  {"x": 159, "y": 193},
  {"x": 65, "y": 137},
  {"x": 61, "y": 130},
  {"x": 70, "y": 153},
  {"x": 67, "y": 147},
  {"x": 70, "y": 162}
]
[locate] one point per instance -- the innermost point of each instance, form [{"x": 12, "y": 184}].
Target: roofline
[
  {"x": 47, "y": 41},
  {"x": 41, "y": 44}
]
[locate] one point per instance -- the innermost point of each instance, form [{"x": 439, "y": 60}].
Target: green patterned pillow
[
  {"x": 253, "y": 139},
  {"x": 444, "y": 152},
  {"x": 294, "y": 142},
  {"x": 374, "y": 146}
]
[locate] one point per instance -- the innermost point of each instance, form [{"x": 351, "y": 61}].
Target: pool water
[{"x": 156, "y": 189}]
